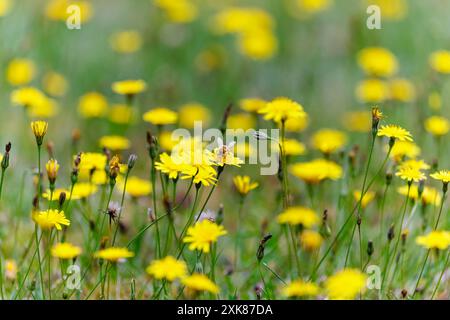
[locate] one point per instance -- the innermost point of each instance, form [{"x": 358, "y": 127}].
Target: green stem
[
  {"x": 121, "y": 208},
  {"x": 41, "y": 278},
  {"x": 441, "y": 275}
]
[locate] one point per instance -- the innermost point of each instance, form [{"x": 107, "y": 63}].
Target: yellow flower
[
  {"x": 180, "y": 11},
  {"x": 443, "y": 175},
  {"x": 440, "y": 61},
  {"x": 205, "y": 175},
  {"x": 244, "y": 185},
  {"x": 252, "y": 104},
  {"x": 282, "y": 109},
  {"x": 57, "y": 193},
  {"x": 128, "y": 41},
  {"x": 311, "y": 7},
  {"x": 300, "y": 288},
  {"x": 402, "y": 90},
  {"x": 10, "y": 265},
  {"x": 437, "y": 126},
  {"x": 416, "y": 164},
  {"x": 93, "y": 105},
  {"x": 429, "y": 195},
  {"x": 160, "y": 116},
  {"x": 376, "y": 61},
  {"x": 328, "y": 141},
  {"x": 192, "y": 112},
  {"x": 114, "y": 143},
  {"x": 52, "y": 168},
  {"x": 121, "y": 114},
  {"x": 393, "y": 131},
  {"x": 224, "y": 155},
  {"x": 372, "y": 91},
  {"x": 167, "y": 165},
  {"x": 91, "y": 161},
  {"x": 50, "y": 219},
  {"x": 83, "y": 190},
  {"x": 136, "y": 187},
  {"x": 259, "y": 44},
  {"x": 358, "y": 121},
  {"x": 292, "y": 147},
  {"x": 129, "y": 87},
  {"x": 435, "y": 101},
  {"x": 20, "y": 72},
  {"x": 5, "y": 7},
  {"x": 410, "y": 174},
  {"x": 166, "y": 141},
  {"x": 299, "y": 215},
  {"x": 46, "y": 108},
  {"x": 310, "y": 240},
  {"x": 167, "y": 268},
  {"x": 402, "y": 149},
  {"x": 201, "y": 235},
  {"x": 242, "y": 121},
  {"x": 199, "y": 282},
  {"x": 345, "y": 284},
  {"x": 55, "y": 84},
  {"x": 39, "y": 129},
  {"x": 391, "y": 9},
  {"x": 368, "y": 197},
  {"x": 316, "y": 170},
  {"x": 114, "y": 254},
  {"x": 435, "y": 240},
  {"x": 65, "y": 251},
  {"x": 297, "y": 124},
  {"x": 28, "y": 97},
  {"x": 57, "y": 9}
]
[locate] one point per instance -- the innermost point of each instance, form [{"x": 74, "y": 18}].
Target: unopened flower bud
[
  {"x": 131, "y": 161},
  {"x": 62, "y": 199},
  {"x": 262, "y": 245},
  {"x": 391, "y": 233},
  {"x": 370, "y": 249}
]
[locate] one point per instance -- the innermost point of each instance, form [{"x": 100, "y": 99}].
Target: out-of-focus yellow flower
[
  {"x": 299, "y": 215},
  {"x": 345, "y": 284},
  {"x": 377, "y": 61},
  {"x": 129, "y": 87},
  {"x": 396, "y": 132},
  {"x": 28, "y": 97},
  {"x": 391, "y": 9},
  {"x": 282, "y": 109},
  {"x": 160, "y": 116},
  {"x": 258, "y": 45},
  {"x": 402, "y": 149},
  {"x": 328, "y": 140},
  {"x": 300, "y": 288},
  {"x": 114, "y": 254},
  {"x": 50, "y": 219},
  {"x": 46, "y": 108},
  {"x": 316, "y": 170},
  {"x": 244, "y": 185},
  {"x": 402, "y": 90},
  {"x": 357, "y": 121},
  {"x": 372, "y": 91},
  {"x": 57, "y": 193},
  {"x": 435, "y": 101},
  {"x": 83, "y": 190},
  {"x": 57, "y": 9},
  {"x": 210, "y": 59},
  {"x": 442, "y": 175},
  {"x": 180, "y": 11},
  {"x": 310, "y": 240},
  {"x": 128, "y": 41},
  {"x": 440, "y": 61},
  {"x": 167, "y": 268},
  {"x": 435, "y": 240},
  {"x": 20, "y": 72},
  {"x": 252, "y": 104},
  {"x": 429, "y": 195},
  {"x": 242, "y": 121},
  {"x": 5, "y": 7},
  {"x": 136, "y": 187},
  {"x": 166, "y": 142},
  {"x": 292, "y": 147},
  {"x": 114, "y": 143},
  {"x": 191, "y": 112},
  {"x": 312, "y": 7},
  {"x": 415, "y": 164},
  {"x": 10, "y": 267},
  {"x": 200, "y": 282},
  {"x": 368, "y": 197},
  {"x": 121, "y": 114},
  {"x": 437, "y": 126},
  {"x": 297, "y": 124},
  {"x": 202, "y": 234},
  {"x": 55, "y": 84},
  {"x": 65, "y": 251},
  {"x": 93, "y": 105}
]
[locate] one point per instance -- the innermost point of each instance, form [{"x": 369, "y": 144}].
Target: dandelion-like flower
[
  {"x": 168, "y": 166},
  {"x": 167, "y": 268},
  {"x": 129, "y": 87},
  {"x": 65, "y": 250},
  {"x": 201, "y": 235},
  {"x": 435, "y": 240},
  {"x": 52, "y": 168},
  {"x": 310, "y": 240},
  {"x": 315, "y": 171},
  {"x": 200, "y": 282},
  {"x": 395, "y": 132},
  {"x": 328, "y": 140},
  {"x": 160, "y": 116},
  {"x": 299, "y": 215},
  {"x": 437, "y": 126},
  {"x": 114, "y": 254},
  {"x": 136, "y": 187},
  {"x": 39, "y": 129},
  {"x": 366, "y": 199},
  {"x": 244, "y": 185},
  {"x": 300, "y": 288},
  {"x": 410, "y": 174},
  {"x": 115, "y": 143},
  {"x": 345, "y": 284},
  {"x": 282, "y": 109},
  {"x": 51, "y": 219}
]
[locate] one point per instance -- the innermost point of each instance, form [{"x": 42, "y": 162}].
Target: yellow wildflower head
[
  {"x": 161, "y": 116},
  {"x": 395, "y": 132},
  {"x": 200, "y": 282},
  {"x": 357, "y": 121},
  {"x": 435, "y": 240},
  {"x": 299, "y": 215},
  {"x": 83, "y": 190},
  {"x": 114, "y": 254},
  {"x": 328, "y": 140},
  {"x": 372, "y": 91},
  {"x": 366, "y": 199},
  {"x": 55, "y": 84},
  {"x": 242, "y": 121},
  {"x": 51, "y": 219},
  {"x": 316, "y": 170},
  {"x": 121, "y": 114},
  {"x": 442, "y": 175},
  {"x": 136, "y": 187},
  {"x": 192, "y": 112},
  {"x": 403, "y": 149},
  {"x": 402, "y": 90},
  {"x": 252, "y": 104},
  {"x": 300, "y": 288},
  {"x": 182, "y": 11},
  {"x": 93, "y": 105},
  {"x": 377, "y": 61},
  {"x": 282, "y": 109},
  {"x": 167, "y": 268},
  {"x": 297, "y": 124},
  {"x": 39, "y": 129},
  {"x": 52, "y": 168},
  {"x": 244, "y": 185},
  {"x": 129, "y": 87},
  {"x": 310, "y": 240},
  {"x": 65, "y": 251},
  {"x": 410, "y": 173},
  {"x": 201, "y": 235},
  {"x": 127, "y": 41},
  {"x": 345, "y": 284},
  {"x": 292, "y": 147},
  {"x": 20, "y": 72},
  {"x": 440, "y": 61},
  {"x": 437, "y": 126},
  {"x": 5, "y": 7},
  {"x": 115, "y": 143},
  {"x": 10, "y": 269}
]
